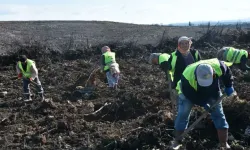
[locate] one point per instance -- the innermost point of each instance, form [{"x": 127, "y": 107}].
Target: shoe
[{"x": 175, "y": 145}]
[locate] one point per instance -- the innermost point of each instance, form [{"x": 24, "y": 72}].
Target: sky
[{"x": 129, "y": 11}]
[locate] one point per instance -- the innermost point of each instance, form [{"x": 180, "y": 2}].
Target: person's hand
[
  {"x": 19, "y": 75},
  {"x": 229, "y": 91},
  {"x": 208, "y": 108},
  {"x": 30, "y": 79}
]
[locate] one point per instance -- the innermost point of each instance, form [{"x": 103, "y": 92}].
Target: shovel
[{"x": 32, "y": 82}]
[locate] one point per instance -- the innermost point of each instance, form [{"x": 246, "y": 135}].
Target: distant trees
[{"x": 190, "y": 24}]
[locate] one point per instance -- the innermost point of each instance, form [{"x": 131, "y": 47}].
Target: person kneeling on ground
[
  {"x": 199, "y": 85},
  {"x": 110, "y": 67},
  {"x": 26, "y": 69},
  {"x": 235, "y": 56}
]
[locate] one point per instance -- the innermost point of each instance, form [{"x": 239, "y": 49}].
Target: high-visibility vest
[
  {"x": 26, "y": 73},
  {"x": 163, "y": 57},
  {"x": 109, "y": 58},
  {"x": 234, "y": 55},
  {"x": 173, "y": 63},
  {"x": 189, "y": 72}
]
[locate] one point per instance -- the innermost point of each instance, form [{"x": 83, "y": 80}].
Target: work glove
[
  {"x": 19, "y": 76},
  {"x": 229, "y": 90},
  {"x": 208, "y": 107}
]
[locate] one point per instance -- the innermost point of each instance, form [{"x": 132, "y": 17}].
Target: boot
[
  {"x": 42, "y": 96},
  {"x": 223, "y": 137},
  {"x": 176, "y": 144},
  {"x": 27, "y": 97}
]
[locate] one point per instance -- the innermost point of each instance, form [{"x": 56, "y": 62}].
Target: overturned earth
[{"x": 136, "y": 116}]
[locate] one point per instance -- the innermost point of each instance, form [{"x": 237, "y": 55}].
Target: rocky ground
[{"x": 136, "y": 116}]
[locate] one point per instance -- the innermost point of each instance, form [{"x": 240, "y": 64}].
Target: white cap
[
  {"x": 204, "y": 74},
  {"x": 184, "y": 38}
]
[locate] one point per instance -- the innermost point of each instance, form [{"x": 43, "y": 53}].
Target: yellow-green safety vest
[
  {"x": 173, "y": 63},
  {"x": 109, "y": 58},
  {"x": 163, "y": 57},
  {"x": 234, "y": 55},
  {"x": 189, "y": 72},
  {"x": 26, "y": 73}
]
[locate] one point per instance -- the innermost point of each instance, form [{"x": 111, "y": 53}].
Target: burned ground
[{"x": 136, "y": 116}]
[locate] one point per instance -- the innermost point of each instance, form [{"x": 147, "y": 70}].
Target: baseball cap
[
  {"x": 184, "y": 38},
  {"x": 204, "y": 73}
]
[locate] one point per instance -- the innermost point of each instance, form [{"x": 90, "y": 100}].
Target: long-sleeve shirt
[
  {"x": 33, "y": 69},
  {"x": 203, "y": 94},
  {"x": 181, "y": 63},
  {"x": 243, "y": 63}
]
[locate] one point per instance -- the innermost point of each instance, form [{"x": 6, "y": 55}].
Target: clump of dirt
[{"x": 136, "y": 116}]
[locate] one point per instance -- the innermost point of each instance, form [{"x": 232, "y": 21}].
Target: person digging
[
  {"x": 160, "y": 59},
  {"x": 27, "y": 71},
  {"x": 110, "y": 67},
  {"x": 199, "y": 85},
  {"x": 237, "y": 57}
]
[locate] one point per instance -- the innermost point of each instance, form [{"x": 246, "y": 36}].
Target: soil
[{"x": 137, "y": 115}]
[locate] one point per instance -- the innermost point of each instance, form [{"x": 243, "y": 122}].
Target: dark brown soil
[{"x": 136, "y": 116}]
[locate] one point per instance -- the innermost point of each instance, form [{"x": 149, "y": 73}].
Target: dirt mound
[{"x": 136, "y": 116}]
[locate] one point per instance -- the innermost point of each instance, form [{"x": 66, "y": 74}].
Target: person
[
  {"x": 160, "y": 59},
  {"x": 110, "y": 67},
  {"x": 181, "y": 58},
  {"x": 237, "y": 57},
  {"x": 199, "y": 85},
  {"x": 26, "y": 70}
]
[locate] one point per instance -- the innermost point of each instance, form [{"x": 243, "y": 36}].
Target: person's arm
[
  {"x": 226, "y": 76},
  {"x": 34, "y": 71},
  {"x": 18, "y": 69},
  {"x": 188, "y": 91},
  {"x": 102, "y": 62},
  {"x": 243, "y": 63},
  {"x": 164, "y": 67}
]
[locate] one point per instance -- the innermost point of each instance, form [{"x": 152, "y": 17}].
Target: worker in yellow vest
[
  {"x": 199, "y": 85},
  {"x": 26, "y": 70},
  {"x": 160, "y": 59},
  {"x": 238, "y": 57},
  {"x": 181, "y": 58},
  {"x": 110, "y": 67},
  {"x": 178, "y": 60}
]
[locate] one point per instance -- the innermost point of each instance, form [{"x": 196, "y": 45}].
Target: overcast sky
[{"x": 130, "y": 11}]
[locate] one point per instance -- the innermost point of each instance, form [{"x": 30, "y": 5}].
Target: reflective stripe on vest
[
  {"x": 163, "y": 57},
  {"x": 189, "y": 72},
  {"x": 173, "y": 63},
  {"x": 26, "y": 73},
  {"x": 234, "y": 55},
  {"x": 109, "y": 58}
]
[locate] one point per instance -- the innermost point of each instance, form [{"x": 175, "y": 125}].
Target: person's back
[{"x": 237, "y": 57}]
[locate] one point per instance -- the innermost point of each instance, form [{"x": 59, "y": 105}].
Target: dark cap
[{"x": 22, "y": 58}]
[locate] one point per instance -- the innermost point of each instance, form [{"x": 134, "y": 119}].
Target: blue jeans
[
  {"x": 112, "y": 80},
  {"x": 184, "y": 109},
  {"x": 26, "y": 86}
]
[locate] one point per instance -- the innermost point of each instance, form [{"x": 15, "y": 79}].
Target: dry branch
[{"x": 97, "y": 111}]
